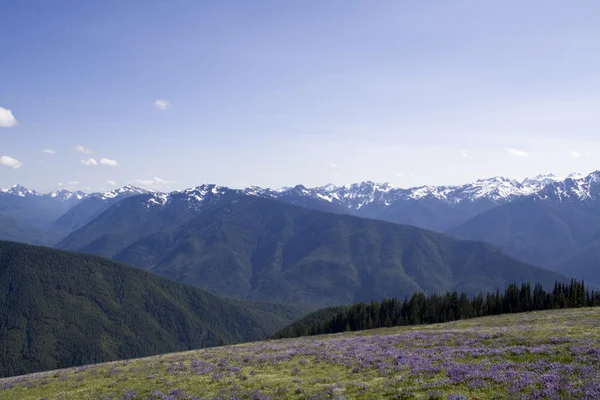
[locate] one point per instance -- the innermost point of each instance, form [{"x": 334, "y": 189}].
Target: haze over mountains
[{"x": 548, "y": 220}]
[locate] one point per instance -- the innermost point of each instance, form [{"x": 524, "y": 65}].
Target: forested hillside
[
  {"x": 262, "y": 249},
  {"x": 60, "y": 309}
]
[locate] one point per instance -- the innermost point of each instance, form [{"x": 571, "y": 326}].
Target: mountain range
[{"x": 513, "y": 215}]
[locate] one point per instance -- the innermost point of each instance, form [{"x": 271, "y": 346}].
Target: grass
[{"x": 547, "y": 354}]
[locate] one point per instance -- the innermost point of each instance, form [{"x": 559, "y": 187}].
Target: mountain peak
[
  {"x": 21, "y": 191},
  {"x": 65, "y": 194},
  {"x": 127, "y": 190}
]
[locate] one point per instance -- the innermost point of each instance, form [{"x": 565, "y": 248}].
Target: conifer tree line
[{"x": 422, "y": 309}]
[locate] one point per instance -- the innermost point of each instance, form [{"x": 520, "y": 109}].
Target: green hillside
[
  {"x": 267, "y": 250},
  {"x": 537, "y": 355},
  {"x": 61, "y": 308}
]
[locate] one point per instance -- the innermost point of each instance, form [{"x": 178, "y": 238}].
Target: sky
[{"x": 172, "y": 94}]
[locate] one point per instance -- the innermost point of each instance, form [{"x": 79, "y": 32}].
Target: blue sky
[{"x": 277, "y": 93}]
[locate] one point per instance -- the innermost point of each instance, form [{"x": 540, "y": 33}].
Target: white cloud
[
  {"x": 574, "y": 154},
  {"x": 517, "y": 152},
  {"x": 162, "y": 181},
  {"x": 89, "y": 162},
  {"x": 156, "y": 181},
  {"x": 111, "y": 182},
  {"x": 109, "y": 162},
  {"x": 48, "y": 151},
  {"x": 7, "y": 119},
  {"x": 10, "y": 162},
  {"x": 83, "y": 149},
  {"x": 464, "y": 154},
  {"x": 59, "y": 184},
  {"x": 161, "y": 104},
  {"x": 333, "y": 165},
  {"x": 73, "y": 183}
]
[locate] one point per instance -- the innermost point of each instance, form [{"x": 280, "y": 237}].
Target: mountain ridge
[{"x": 263, "y": 249}]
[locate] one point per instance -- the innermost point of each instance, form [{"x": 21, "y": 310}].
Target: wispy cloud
[
  {"x": 83, "y": 149},
  {"x": 464, "y": 154},
  {"x": 7, "y": 119},
  {"x": 10, "y": 162},
  {"x": 111, "y": 182},
  {"x": 161, "y": 104},
  {"x": 73, "y": 183},
  {"x": 333, "y": 166},
  {"x": 517, "y": 152},
  {"x": 156, "y": 181},
  {"x": 108, "y": 162},
  {"x": 48, "y": 151},
  {"x": 574, "y": 154},
  {"x": 89, "y": 162}
]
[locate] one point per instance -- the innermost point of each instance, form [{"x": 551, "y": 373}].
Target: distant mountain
[
  {"x": 92, "y": 206},
  {"x": 33, "y": 208},
  {"x": 432, "y": 207},
  {"x": 63, "y": 195},
  {"x": 64, "y": 309},
  {"x": 20, "y": 231},
  {"x": 439, "y": 208},
  {"x": 557, "y": 227},
  {"x": 137, "y": 216},
  {"x": 262, "y": 249}
]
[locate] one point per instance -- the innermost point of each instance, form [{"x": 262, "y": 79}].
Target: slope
[
  {"x": 61, "y": 308},
  {"x": 584, "y": 264},
  {"x": 92, "y": 206},
  {"x": 537, "y": 231},
  {"x": 20, "y": 231},
  {"x": 135, "y": 217},
  {"x": 35, "y": 210},
  {"x": 536, "y": 355},
  {"x": 256, "y": 248}
]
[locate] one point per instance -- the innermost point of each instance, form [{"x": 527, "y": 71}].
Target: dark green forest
[
  {"x": 422, "y": 309},
  {"x": 61, "y": 309}
]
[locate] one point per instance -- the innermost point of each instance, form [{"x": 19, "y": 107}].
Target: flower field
[{"x": 538, "y": 355}]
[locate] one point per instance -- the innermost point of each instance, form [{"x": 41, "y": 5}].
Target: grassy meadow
[{"x": 538, "y": 355}]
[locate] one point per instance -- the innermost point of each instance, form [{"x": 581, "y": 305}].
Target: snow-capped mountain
[
  {"x": 573, "y": 188},
  {"x": 192, "y": 199},
  {"x": 125, "y": 191},
  {"x": 67, "y": 195},
  {"x": 432, "y": 207},
  {"x": 18, "y": 190},
  {"x": 353, "y": 196},
  {"x": 359, "y": 195},
  {"x": 539, "y": 181}
]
